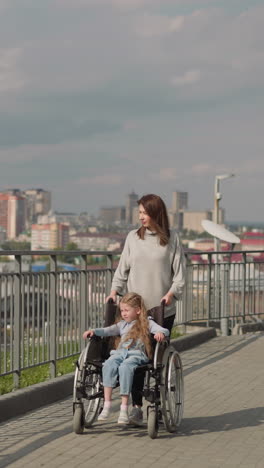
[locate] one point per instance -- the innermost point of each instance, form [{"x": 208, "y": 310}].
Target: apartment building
[
  {"x": 89, "y": 241},
  {"x": 12, "y": 212},
  {"x": 49, "y": 236},
  {"x": 38, "y": 203}
]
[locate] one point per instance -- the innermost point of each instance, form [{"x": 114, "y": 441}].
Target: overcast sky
[{"x": 102, "y": 97}]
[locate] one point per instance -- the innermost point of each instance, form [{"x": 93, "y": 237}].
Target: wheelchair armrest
[{"x": 159, "y": 351}]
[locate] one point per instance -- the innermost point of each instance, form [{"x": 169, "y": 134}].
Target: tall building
[
  {"x": 131, "y": 203},
  {"x": 179, "y": 204},
  {"x": 49, "y": 236},
  {"x": 179, "y": 201},
  {"x": 192, "y": 220},
  {"x": 12, "y": 212},
  {"x": 38, "y": 203},
  {"x": 112, "y": 214}
]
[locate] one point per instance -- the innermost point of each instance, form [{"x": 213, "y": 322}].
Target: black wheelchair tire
[
  {"x": 78, "y": 420},
  {"x": 153, "y": 425}
]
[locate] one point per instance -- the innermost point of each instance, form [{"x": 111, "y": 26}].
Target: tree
[{"x": 14, "y": 245}]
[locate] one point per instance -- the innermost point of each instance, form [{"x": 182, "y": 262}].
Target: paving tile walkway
[{"x": 223, "y": 422}]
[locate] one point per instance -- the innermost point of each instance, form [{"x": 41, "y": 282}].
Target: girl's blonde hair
[{"x": 140, "y": 329}]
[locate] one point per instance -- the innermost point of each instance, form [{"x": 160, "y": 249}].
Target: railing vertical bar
[
  {"x": 11, "y": 343},
  {"x": 43, "y": 329},
  {"x": 253, "y": 292},
  {"x": 83, "y": 299},
  {"x": 38, "y": 319},
  {"x": 259, "y": 292},
  {"x": 67, "y": 312},
  {"x": 1, "y": 359},
  {"x": 58, "y": 350},
  {"x": 244, "y": 287},
  {"x": 62, "y": 312},
  {"x": 209, "y": 269},
  {"x": 5, "y": 325},
  {"x": 89, "y": 308},
  {"x": 33, "y": 288},
  {"x": 71, "y": 311},
  {"x": 22, "y": 319},
  {"x": 17, "y": 322},
  {"x": 28, "y": 320},
  {"x": 53, "y": 314},
  {"x": 93, "y": 322},
  {"x": 48, "y": 304}
]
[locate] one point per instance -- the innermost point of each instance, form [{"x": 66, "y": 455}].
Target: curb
[
  {"x": 30, "y": 398},
  {"x": 243, "y": 328},
  {"x": 193, "y": 339},
  {"x": 45, "y": 393}
]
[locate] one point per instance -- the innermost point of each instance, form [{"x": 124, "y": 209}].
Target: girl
[
  {"x": 153, "y": 265},
  {"x": 133, "y": 350}
]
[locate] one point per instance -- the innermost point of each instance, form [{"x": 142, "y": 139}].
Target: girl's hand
[
  {"x": 159, "y": 336},
  {"x": 88, "y": 333},
  {"x": 112, "y": 295},
  {"x": 167, "y": 298}
]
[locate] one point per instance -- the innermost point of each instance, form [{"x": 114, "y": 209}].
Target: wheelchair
[{"x": 163, "y": 384}]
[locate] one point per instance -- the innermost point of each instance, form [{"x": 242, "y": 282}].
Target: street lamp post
[{"x": 217, "y": 198}]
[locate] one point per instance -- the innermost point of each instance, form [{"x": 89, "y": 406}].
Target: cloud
[
  {"x": 165, "y": 174},
  {"x": 103, "y": 179},
  {"x": 189, "y": 77},
  {"x": 11, "y": 77},
  {"x": 120, "y": 4},
  {"x": 150, "y": 25},
  {"x": 202, "y": 169}
]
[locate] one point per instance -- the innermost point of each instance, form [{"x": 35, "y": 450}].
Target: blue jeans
[{"x": 122, "y": 363}]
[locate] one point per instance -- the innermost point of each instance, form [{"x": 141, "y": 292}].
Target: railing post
[
  {"x": 244, "y": 275},
  {"x": 17, "y": 322},
  {"x": 209, "y": 270},
  {"x": 109, "y": 266},
  {"x": 53, "y": 315},
  {"x": 224, "y": 299},
  {"x": 188, "y": 312},
  {"x": 83, "y": 300}
]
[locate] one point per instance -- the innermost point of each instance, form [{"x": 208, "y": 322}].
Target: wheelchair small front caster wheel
[{"x": 78, "y": 420}]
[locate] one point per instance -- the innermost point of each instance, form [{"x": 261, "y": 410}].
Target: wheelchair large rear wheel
[
  {"x": 172, "y": 390},
  {"x": 87, "y": 384}
]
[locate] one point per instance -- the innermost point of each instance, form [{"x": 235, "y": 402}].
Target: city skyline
[{"x": 151, "y": 96}]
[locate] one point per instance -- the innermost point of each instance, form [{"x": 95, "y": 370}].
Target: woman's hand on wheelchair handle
[
  {"x": 112, "y": 295},
  {"x": 167, "y": 298},
  {"x": 87, "y": 334},
  {"x": 159, "y": 336}
]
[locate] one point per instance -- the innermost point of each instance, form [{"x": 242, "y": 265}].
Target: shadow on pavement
[
  {"x": 231, "y": 349},
  {"x": 250, "y": 417}
]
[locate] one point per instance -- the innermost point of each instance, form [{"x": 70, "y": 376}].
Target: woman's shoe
[{"x": 136, "y": 416}]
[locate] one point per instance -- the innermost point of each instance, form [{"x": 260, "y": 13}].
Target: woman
[{"x": 152, "y": 264}]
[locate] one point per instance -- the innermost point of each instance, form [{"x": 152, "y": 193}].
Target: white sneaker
[
  {"x": 104, "y": 414},
  {"x": 123, "y": 417},
  {"x": 136, "y": 416}
]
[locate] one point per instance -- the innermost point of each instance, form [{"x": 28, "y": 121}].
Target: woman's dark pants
[{"x": 138, "y": 382}]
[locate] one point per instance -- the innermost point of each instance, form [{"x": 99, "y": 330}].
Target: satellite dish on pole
[{"x": 220, "y": 232}]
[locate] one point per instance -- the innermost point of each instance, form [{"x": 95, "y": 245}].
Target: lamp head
[{"x": 224, "y": 176}]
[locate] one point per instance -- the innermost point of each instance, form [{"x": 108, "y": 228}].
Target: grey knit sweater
[{"x": 151, "y": 270}]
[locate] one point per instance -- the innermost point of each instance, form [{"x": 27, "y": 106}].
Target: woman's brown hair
[
  {"x": 156, "y": 209},
  {"x": 140, "y": 329}
]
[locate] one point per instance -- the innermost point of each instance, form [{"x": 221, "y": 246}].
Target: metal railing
[{"x": 43, "y": 314}]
